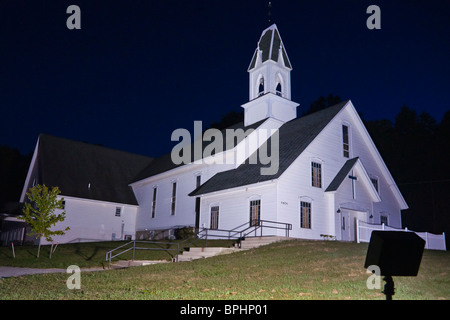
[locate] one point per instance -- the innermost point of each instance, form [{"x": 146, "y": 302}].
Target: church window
[
  {"x": 214, "y": 218},
  {"x": 305, "y": 215},
  {"x": 316, "y": 174},
  {"x": 255, "y": 212},
  {"x": 375, "y": 183},
  {"x": 278, "y": 89},
  {"x": 154, "y": 203},
  {"x": 345, "y": 141},
  {"x": 173, "y": 199},
  {"x": 261, "y": 87}
]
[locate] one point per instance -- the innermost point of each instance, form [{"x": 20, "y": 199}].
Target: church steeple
[
  {"x": 270, "y": 66},
  {"x": 270, "y": 80}
]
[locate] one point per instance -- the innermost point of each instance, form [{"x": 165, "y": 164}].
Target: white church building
[{"x": 277, "y": 173}]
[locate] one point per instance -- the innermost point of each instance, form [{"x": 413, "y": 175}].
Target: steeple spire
[
  {"x": 270, "y": 81},
  {"x": 271, "y": 63}
]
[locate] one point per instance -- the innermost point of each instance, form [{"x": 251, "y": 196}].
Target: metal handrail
[
  {"x": 241, "y": 234},
  {"x": 109, "y": 255}
]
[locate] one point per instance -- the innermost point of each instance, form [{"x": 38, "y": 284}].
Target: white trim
[
  {"x": 377, "y": 157},
  {"x": 350, "y": 138},
  {"x": 307, "y": 200},
  {"x": 244, "y": 188}
]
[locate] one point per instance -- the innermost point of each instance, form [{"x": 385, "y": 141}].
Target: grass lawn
[
  {"x": 92, "y": 254},
  {"x": 297, "y": 269}
]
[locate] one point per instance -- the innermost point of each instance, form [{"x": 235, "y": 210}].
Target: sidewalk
[{"x": 6, "y": 272}]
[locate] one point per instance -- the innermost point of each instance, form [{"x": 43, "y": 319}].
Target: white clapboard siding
[
  {"x": 91, "y": 220},
  {"x": 234, "y": 206},
  {"x": 295, "y": 183}
]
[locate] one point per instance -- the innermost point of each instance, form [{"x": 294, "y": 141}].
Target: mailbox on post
[{"x": 396, "y": 253}]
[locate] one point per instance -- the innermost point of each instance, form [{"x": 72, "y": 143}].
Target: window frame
[
  {"x": 173, "y": 198},
  {"x": 305, "y": 214},
  {"x": 376, "y": 185},
  {"x": 345, "y": 140},
  {"x": 316, "y": 174},
  {"x": 153, "y": 210},
  {"x": 255, "y": 203},
  {"x": 214, "y": 217}
]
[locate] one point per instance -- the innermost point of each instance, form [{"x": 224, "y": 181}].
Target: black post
[{"x": 389, "y": 287}]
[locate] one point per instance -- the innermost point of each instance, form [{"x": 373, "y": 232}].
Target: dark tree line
[
  {"x": 13, "y": 171},
  {"x": 416, "y": 150}
]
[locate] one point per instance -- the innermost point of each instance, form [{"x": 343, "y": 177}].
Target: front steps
[
  {"x": 248, "y": 243},
  {"x": 199, "y": 253},
  {"x": 134, "y": 263},
  {"x": 255, "y": 242}
]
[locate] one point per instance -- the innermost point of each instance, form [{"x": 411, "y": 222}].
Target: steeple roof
[{"x": 269, "y": 47}]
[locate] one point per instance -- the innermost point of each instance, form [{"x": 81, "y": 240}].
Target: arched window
[
  {"x": 261, "y": 87},
  {"x": 278, "y": 89}
]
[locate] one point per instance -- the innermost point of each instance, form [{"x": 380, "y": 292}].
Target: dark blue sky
[{"x": 137, "y": 70}]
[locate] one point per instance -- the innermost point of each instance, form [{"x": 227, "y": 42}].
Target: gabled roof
[
  {"x": 269, "y": 46},
  {"x": 341, "y": 175},
  {"x": 362, "y": 175},
  {"x": 294, "y": 137},
  {"x": 88, "y": 171}
]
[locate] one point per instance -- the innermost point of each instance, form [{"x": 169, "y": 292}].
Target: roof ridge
[{"x": 92, "y": 144}]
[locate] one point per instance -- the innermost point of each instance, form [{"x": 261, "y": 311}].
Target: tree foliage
[{"x": 39, "y": 212}]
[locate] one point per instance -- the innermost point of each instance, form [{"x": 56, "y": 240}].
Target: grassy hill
[{"x": 298, "y": 269}]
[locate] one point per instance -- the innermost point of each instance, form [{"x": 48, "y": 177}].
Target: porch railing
[{"x": 252, "y": 228}]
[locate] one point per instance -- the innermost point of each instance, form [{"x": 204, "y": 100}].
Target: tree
[{"x": 39, "y": 212}]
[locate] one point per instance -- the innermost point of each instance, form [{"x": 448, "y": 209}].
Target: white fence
[{"x": 432, "y": 241}]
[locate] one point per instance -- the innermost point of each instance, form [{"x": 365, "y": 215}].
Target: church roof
[
  {"x": 88, "y": 171},
  {"x": 165, "y": 163},
  {"x": 350, "y": 164},
  {"x": 269, "y": 46},
  {"x": 294, "y": 137},
  {"x": 341, "y": 175}
]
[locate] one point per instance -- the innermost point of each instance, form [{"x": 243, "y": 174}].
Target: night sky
[{"x": 137, "y": 70}]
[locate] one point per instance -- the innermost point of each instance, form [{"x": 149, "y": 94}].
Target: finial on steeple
[{"x": 269, "y": 12}]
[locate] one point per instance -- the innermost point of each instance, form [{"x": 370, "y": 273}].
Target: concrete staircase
[
  {"x": 248, "y": 243},
  {"x": 134, "y": 263},
  {"x": 255, "y": 242},
  {"x": 199, "y": 253}
]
